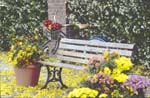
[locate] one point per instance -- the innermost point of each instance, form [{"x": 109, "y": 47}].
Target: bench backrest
[{"x": 79, "y": 51}]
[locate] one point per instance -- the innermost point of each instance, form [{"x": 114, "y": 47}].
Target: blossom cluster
[
  {"x": 120, "y": 77},
  {"x": 137, "y": 82},
  {"x": 110, "y": 77},
  {"x": 117, "y": 66},
  {"x": 112, "y": 64},
  {"x": 24, "y": 52},
  {"x": 123, "y": 63},
  {"x": 83, "y": 93},
  {"x": 52, "y": 25},
  {"x": 95, "y": 63},
  {"x": 101, "y": 82},
  {"x": 101, "y": 78}
]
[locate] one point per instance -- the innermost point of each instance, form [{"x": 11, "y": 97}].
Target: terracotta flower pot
[{"x": 27, "y": 76}]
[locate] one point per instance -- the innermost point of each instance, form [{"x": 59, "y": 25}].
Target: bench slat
[
  {"x": 63, "y": 65},
  {"x": 76, "y": 54},
  {"x": 73, "y": 59},
  {"x": 94, "y": 49},
  {"x": 97, "y": 43}
]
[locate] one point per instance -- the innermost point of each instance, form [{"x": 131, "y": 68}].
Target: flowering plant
[
  {"x": 112, "y": 64},
  {"x": 83, "y": 93},
  {"x": 108, "y": 74},
  {"x": 25, "y": 51},
  {"x": 138, "y": 84},
  {"x": 101, "y": 82},
  {"x": 52, "y": 25}
]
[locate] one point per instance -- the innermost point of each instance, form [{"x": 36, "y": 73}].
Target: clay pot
[{"x": 28, "y": 76}]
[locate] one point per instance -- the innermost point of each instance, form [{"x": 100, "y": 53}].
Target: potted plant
[{"x": 24, "y": 55}]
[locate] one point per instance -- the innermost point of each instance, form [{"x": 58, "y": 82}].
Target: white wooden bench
[{"x": 73, "y": 53}]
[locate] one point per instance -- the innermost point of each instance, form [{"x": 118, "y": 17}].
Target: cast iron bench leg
[
  {"x": 52, "y": 75},
  {"x": 60, "y": 79},
  {"x": 48, "y": 77}
]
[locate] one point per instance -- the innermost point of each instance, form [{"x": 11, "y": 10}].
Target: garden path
[{"x": 5, "y": 66}]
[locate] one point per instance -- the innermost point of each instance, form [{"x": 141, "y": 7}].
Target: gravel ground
[{"x": 5, "y": 66}]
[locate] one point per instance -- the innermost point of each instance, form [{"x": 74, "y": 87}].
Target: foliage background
[
  {"x": 20, "y": 17},
  {"x": 126, "y": 21},
  {"x": 116, "y": 20}
]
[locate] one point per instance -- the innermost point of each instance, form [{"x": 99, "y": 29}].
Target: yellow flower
[
  {"x": 103, "y": 95},
  {"x": 95, "y": 76},
  {"x": 29, "y": 54},
  {"x": 21, "y": 53},
  {"x": 34, "y": 48},
  {"x": 130, "y": 89},
  {"x": 28, "y": 48},
  {"x": 106, "y": 55},
  {"x": 116, "y": 54},
  {"x": 123, "y": 63},
  {"x": 100, "y": 71},
  {"x": 36, "y": 37},
  {"x": 74, "y": 93},
  {"x": 27, "y": 61},
  {"x": 141, "y": 67},
  {"x": 20, "y": 43},
  {"x": 83, "y": 96},
  {"x": 85, "y": 67},
  {"x": 14, "y": 62},
  {"x": 115, "y": 94},
  {"x": 25, "y": 95},
  {"x": 12, "y": 48},
  {"x": 83, "y": 93},
  {"x": 9, "y": 59},
  {"x": 120, "y": 77},
  {"x": 107, "y": 70},
  {"x": 116, "y": 71}
]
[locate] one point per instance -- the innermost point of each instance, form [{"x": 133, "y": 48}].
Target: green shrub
[
  {"x": 125, "y": 21},
  {"x": 20, "y": 17}
]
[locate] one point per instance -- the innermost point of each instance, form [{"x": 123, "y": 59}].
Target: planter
[{"x": 27, "y": 76}]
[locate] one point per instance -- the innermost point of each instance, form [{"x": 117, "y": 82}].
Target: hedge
[
  {"x": 126, "y": 21},
  {"x": 20, "y": 17}
]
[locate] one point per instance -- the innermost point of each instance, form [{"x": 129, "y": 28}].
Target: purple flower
[{"x": 137, "y": 82}]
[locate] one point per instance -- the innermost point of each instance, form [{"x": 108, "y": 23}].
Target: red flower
[
  {"x": 47, "y": 23},
  {"x": 52, "y": 25},
  {"x": 56, "y": 26}
]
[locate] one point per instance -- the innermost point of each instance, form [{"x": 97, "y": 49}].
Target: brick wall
[{"x": 60, "y": 7}]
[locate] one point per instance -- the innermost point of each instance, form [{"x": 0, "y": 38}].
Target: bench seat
[
  {"x": 74, "y": 53},
  {"x": 63, "y": 65}
]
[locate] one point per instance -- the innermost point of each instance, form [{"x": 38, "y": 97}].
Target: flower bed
[
  {"x": 110, "y": 77},
  {"x": 101, "y": 82}
]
